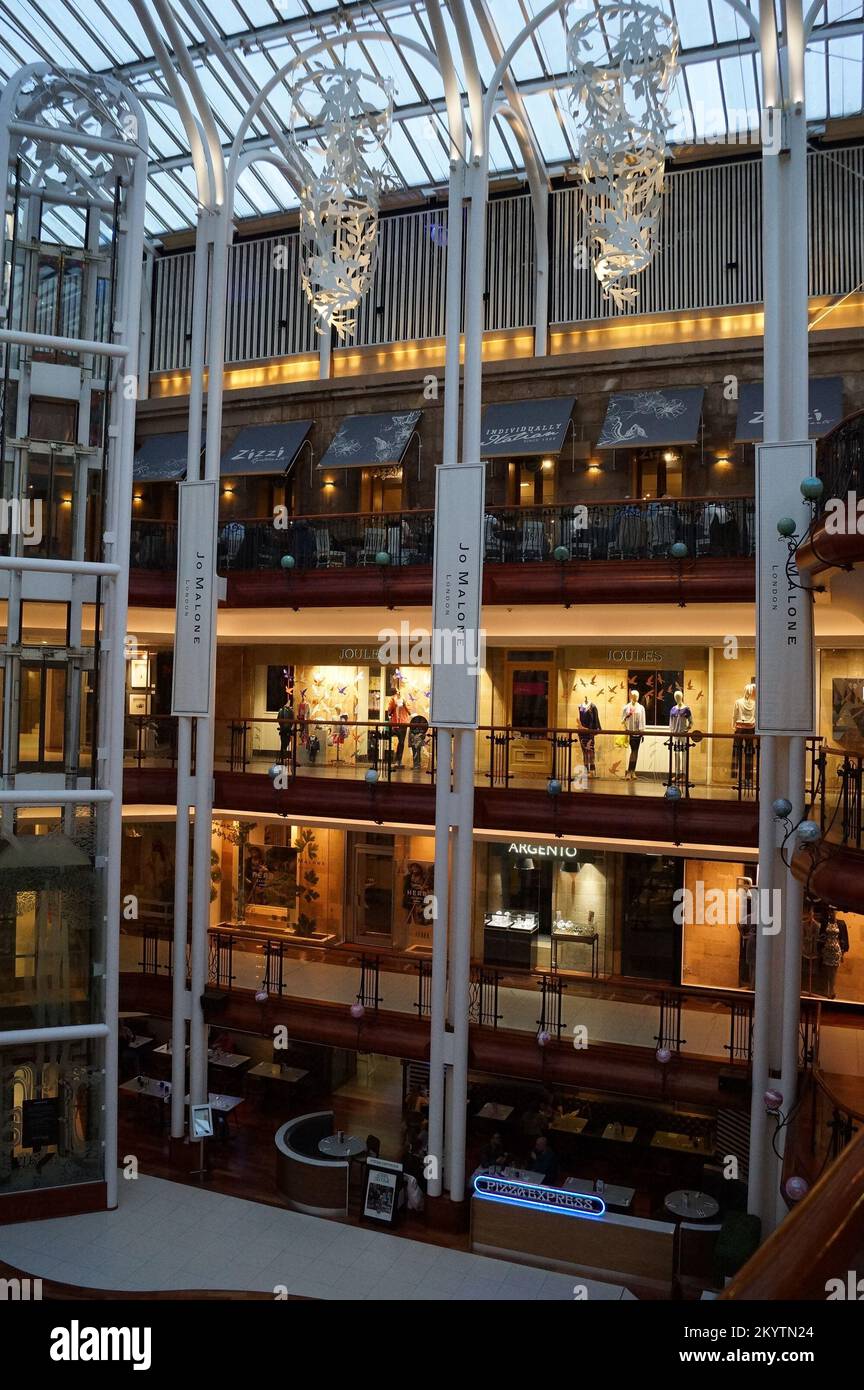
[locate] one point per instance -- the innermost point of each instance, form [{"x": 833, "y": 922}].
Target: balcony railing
[
  {"x": 838, "y": 795},
  {"x": 841, "y": 459},
  {"x": 562, "y": 761},
  {"x": 262, "y": 958},
  {"x": 628, "y": 530}
]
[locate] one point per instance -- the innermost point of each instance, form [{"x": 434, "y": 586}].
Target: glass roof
[{"x": 715, "y": 97}]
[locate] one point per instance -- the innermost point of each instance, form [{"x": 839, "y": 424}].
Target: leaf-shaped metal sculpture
[
  {"x": 622, "y": 58},
  {"x": 344, "y": 145}
]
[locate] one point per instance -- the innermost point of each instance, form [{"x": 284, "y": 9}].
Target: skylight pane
[
  {"x": 546, "y": 125},
  {"x": 815, "y": 87}
]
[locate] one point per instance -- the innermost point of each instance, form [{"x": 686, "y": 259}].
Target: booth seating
[{"x": 308, "y": 1180}]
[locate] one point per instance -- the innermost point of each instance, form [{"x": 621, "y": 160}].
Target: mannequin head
[
  {"x": 634, "y": 697},
  {"x": 679, "y": 697},
  {"x": 750, "y": 692}
]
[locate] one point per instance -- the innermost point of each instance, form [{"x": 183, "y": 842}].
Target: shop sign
[
  {"x": 621, "y": 654},
  {"x": 526, "y": 851},
  {"x": 456, "y": 586},
  {"x": 196, "y": 598},
  {"x": 526, "y": 1194},
  {"x": 784, "y": 611}
]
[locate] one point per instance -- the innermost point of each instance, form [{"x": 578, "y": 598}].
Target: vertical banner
[
  {"x": 196, "y": 598},
  {"x": 457, "y": 648},
  {"x": 785, "y": 676}
]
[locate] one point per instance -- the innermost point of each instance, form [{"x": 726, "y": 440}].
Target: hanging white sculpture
[
  {"x": 622, "y": 58},
  {"x": 343, "y": 149}
]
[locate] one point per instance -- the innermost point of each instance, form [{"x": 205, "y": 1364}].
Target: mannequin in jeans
[
  {"x": 744, "y": 725},
  {"x": 680, "y": 724},
  {"x": 633, "y": 720}
]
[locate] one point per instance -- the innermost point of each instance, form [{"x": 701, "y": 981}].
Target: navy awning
[
  {"x": 161, "y": 458},
  {"x": 371, "y": 441},
  {"x": 265, "y": 449},
  {"x": 826, "y": 408},
  {"x": 518, "y": 429},
  {"x": 640, "y": 419}
]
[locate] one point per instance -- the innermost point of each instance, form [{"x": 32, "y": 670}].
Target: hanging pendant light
[
  {"x": 345, "y": 116},
  {"x": 622, "y": 58}
]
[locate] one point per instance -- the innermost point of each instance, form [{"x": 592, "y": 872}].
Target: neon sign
[{"x": 528, "y": 1194}]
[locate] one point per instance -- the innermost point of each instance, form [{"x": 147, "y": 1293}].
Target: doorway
[
  {"x": 531, "y": 706},
  {"x": 372, "y": 885},
  {"x": 531, "y": 482},
  {"x": 42, "y": 718}
]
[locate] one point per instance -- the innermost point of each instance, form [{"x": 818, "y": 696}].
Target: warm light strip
[{"x": 617, "y": 335}]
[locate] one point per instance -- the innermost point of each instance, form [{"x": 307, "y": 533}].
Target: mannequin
[
  {"x": 633, "y": 720},
  {"x": 744, "y": 725},
  {"x": 680, "y": 724},
  {"x": 589, "y": 720},
  {"x": 831, "y": 958}
]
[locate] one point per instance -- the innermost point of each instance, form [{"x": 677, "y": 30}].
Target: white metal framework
[
  {"x": 236, "y": 45},
  {"x": 93, "y": 164}
]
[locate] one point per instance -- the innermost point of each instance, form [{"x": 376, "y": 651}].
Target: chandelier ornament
[
  {"x": 622, "y": 58},
  {"x": 345, "y": 116}
]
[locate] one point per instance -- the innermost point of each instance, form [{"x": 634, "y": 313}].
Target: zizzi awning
[
  {"x": 371, "y": 441},
  {"x": 641, "y": 419},
  {"x": 265, "y": 449},
  {"x": 161, "y": 458},
  {"x": 825, "y": 410},
  {"x": 519, "y": 429}
]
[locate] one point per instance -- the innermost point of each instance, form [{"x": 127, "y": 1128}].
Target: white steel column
[{"x": 785, "y": 268}]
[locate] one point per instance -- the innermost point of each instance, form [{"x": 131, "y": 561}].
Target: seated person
[
  {"x": 492, "y": 1155},
  {"x": 545, "y": 1161}
]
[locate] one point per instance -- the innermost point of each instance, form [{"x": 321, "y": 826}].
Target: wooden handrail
[
  {"x": 54, "y": 1291},
  {"x": 820, "y": 1239}
]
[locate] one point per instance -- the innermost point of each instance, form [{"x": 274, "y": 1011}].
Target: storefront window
[
  {"x": 543, "y": 906},
  {"x": 649, "y": 932}
]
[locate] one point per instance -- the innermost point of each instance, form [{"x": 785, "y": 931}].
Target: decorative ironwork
[
  {"x": 669, "y": 1034},
  {"x": 740, "y": 1044},
  {"x": 622, "y": 58},
  {"x": 340, "y": 201},
  {"x": 483, "y": 998},
  {"x": 551, "y": 1018}
]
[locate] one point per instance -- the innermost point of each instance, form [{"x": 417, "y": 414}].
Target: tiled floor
[{"x": 168, "y": 1236}]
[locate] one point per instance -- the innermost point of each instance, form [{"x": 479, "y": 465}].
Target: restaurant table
[
  {"x": 691, "y": 1205},
  {"x": 513, "y": 1175},
  {"x": 491, "y": 1111},
  {"x": 148, "y": 1086},
  {"x": 346, "y": 1147},
  {"x": 166, "y": 1049},
  {"x": 569, "y": 1124},
  {"x": 624, "y": 1134},
  {"x": 621, "y": 1197},
  {"x": 683, "y": 1143},
  {"x": 132, "y": 1013},
  {"x": 277, "y": 1071},
  {"x": 224, "y": 1104},
  {"x": 230, "y": 1060}
]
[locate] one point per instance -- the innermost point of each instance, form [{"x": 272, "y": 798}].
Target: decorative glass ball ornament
[{"x": 812, "y": 489}]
